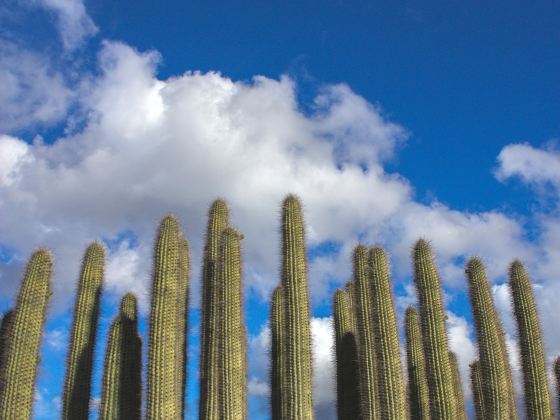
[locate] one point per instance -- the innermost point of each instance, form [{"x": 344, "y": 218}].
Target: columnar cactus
[
  {"x": 457, "y": 388},
  {"x": 218, "y": 219},
  {"x": 296, "y": 306},
  {"x": 366, "y": 350},
  {"x": 392, "y": 401},
  {"x": 77, "y": 385},
  {"x": 418, "y": 398},
  {"x": 182, "y": 325},
  {"x": 434, "y": 335},
  {"x": 278, "y": 369},
  {"x": 494, "y": 365},
  {"x": 122, "y": 383},
  {"x": 557, "y": 380},
  {"x": 4, "y": 337},
  {"x": 233, "y": 337},
  {"x": 478, "y": 391},
  {"x": 537, "y": 395},
  {"x": 347, "y": 369},
  {"x": 22, "y": 349},
  {"x": 161, "y": 381}
]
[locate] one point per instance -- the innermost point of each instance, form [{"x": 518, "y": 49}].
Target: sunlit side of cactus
[
  {"x": 457, "y": 388},
  {"x": 277, "y": 367},
  {"x": 478, "y": 391}
]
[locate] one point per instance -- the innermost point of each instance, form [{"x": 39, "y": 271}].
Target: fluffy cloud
[{"x": 460, "y": 342}]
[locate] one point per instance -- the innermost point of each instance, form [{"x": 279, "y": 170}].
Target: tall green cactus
[
  {"x": 537, "y": 395},
  {"x": 79, "y": 364},
  {"x": 347, "y": 369},
  {"x": 369, "y": 403},
  {"x": 122, "y": 379},
  {"x": 457, "y": 388},
  {"x": 161, "y": 381},
  {"x": 182, "y": 325},
  {"x": 233, "y": 337},
  {"x": 296, "y": 303},
  {"x": 557, "y": 380},
  {"x": 494, "y": 365},
  {"x": 22, "y": 349},
  {"x": 418, "y": 398},
  {"x": 478, "y": 391},
  {"x": 277, "y": 369},
  {"x": 434, "y": 335},
  {"x": 392, "y": 401},
  {"x": 218, "y": 219}
]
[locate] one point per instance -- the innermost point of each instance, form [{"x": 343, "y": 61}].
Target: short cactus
[
  {"x": 277, "y": 369},
  {"x": 457, "y": 388},
  {"x": 22, "y": 350},
  {"x": 478, "y": 391}
]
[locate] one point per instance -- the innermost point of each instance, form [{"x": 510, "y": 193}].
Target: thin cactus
[
  {"x": 233, "y": 337},
  {"x": 392, "y": 401},
  {"x": 537, "y": 394},
  {"x": 77, "y": 385},
  {"x": 557, "y": 381},
  {"x": 418, "y": 398},
  {"x": 161, "y": 380},
  {"x": 296, "y": 303},
  {"x": 277, "y": 369},
  {"x": 122, "y": 386},
  {"x": 478, "y": 391},
  {"x": 369, "y": 403},
  {"x": 22, "y": 349},
  {"x": 218, "y": 219},
  {"x": 182, "y": 325},
  {"x": 457, "y": 388},
  {"x": 346, "y": 352},
  {"x": 434, "y": 335}
]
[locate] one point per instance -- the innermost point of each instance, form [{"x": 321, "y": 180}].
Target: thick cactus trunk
[
  {"x": 296, "y": 303},
  {"x": 277, "y": 369},
  {"x": 77, "y": 385},
  {"x": 457, "y": 388},
  {"x": 161, "y": 381},
  {"x": 418, "y": 398},
  {"x": 537, "y": 395},
  {"x": 182, "y": 325},
  {"x": 22, "y": 350},
  {"x": 434, "y": 335},
  {"x": 478, "y": 391}
]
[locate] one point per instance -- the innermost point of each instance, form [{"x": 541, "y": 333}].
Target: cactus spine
[
  {"x": 161, "y": 383},
  {"x": 121, "y": 392},
  {"x": 494, "y": 365},
  {"x": 537, "y": 394},
  {"x": 278, "y": 370},
  {"x": 77, "y": 385},
  {"x": 233, "y": 337},
  {"x": 478, "y": 391},
  {"x": 457, "y": 388},
  {"x": 418, "y": 398},
  {"x": 434, "y": 335},
  {"x": 296, "y": 305},
  {"x": 22, "y": 350},
  {"x": 392, "y": 402},
  {"x": 209, "y": 374},
  {"x": 366, "y": 350},
  {"x": 347, "y": 370},
  {"x": 182, "y": 327}
]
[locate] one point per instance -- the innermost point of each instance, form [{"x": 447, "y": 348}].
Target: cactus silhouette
[
  {"x": 457, "y": 388},
  {"x": 346, "y": 351},
  {"x": 161, "y": 381},
  {"x": 182, "y": 325},
  {"x": 218, "y": 219},
  {"x": 233, "y": 337},
  {"x": 434, "y": 335},
  {"x": 478, "y": 391},
  {"x": 22, "y": 349},
  {"x": 494, "y": 365},
  {"x": 418, "y": 398},
  {"x": 122, "y": 386},
  {"x": 277, "y": 369},
  {"x": 537, "y": 395},
  {"x": 77, "y": 385},
  {"x": 392, "y": 401},
  {"x": 369, "y": 403},
  {"x": 297, "y": 329}
]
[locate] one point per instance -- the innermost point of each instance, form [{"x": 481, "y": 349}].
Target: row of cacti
[{"x": 369, "y": 374}]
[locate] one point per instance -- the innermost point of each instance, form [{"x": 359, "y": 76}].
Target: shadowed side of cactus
[
  {"x": 418, "y": 398},
  {"x": 557, "y": 380},
  {"x": 392, "y": 401},
  {"x": 369, "y": 403},
  {"x": 434, "y": 335},
  {"x": 161, "y": 381},
  {"x": 537, "y": 395},
  {"x": 297, "y": 329},
  {"x": 218, "y": 219},
  {"x": 5, "y": 326},
  {"x": 457, "y": 388},
  {"x": 22, "y": 349},
  {"x": 182, "y": 325},
  {"x": 79, "y": 365},
  {"x": 122, "y": 386},
  {"x": 494, "y": 365},
  {"x": 346, "y": 352},
  {"x": 277, "y": 367},
  {"x": 478, "y": 391}
]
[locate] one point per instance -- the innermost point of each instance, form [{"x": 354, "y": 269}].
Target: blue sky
[{"x": 391, "y": 121}]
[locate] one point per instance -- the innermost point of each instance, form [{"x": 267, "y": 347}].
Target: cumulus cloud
[{"x": 459, "y": 336}]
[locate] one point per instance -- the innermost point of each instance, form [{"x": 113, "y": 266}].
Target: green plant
[
  {"x": 457, "y": 388},
  {"x": 277, "y": 370},
  {"x": 478, "y": 391},
  {"x": 557, "y": 379},
  {"x": 5, "y": 327},
  {"x": 182, "y": 324}
]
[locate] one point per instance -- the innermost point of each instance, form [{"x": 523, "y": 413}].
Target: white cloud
[
  {"x": 532, "y": 165},
  {"x": 459, "y": 334},
  {"x": 57, "y": 339},
  {"x": 13, "y": 153}
]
